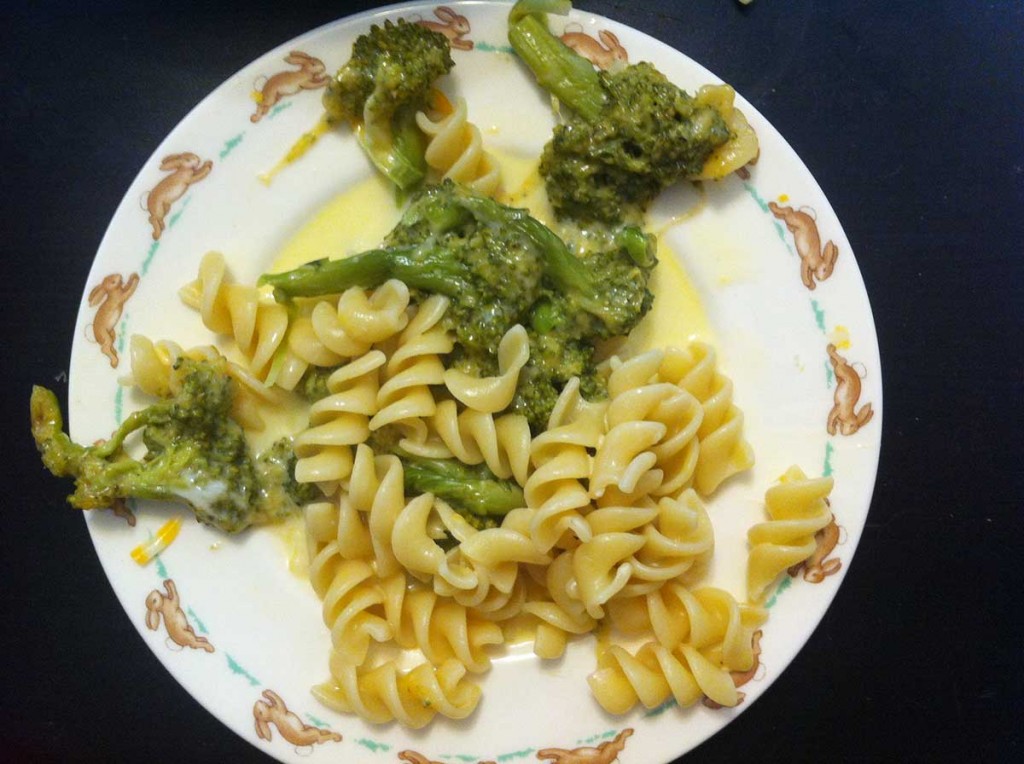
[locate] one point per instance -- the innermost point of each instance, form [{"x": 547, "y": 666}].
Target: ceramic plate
[{"x": 803, "y": 356}]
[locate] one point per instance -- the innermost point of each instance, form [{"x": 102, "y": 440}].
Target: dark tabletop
[{"x": 911, "y": 117}]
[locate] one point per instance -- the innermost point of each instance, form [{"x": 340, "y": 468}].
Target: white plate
[{"x": 771, "y": 332}]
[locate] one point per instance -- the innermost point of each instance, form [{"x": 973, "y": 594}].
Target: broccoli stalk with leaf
[
  {"x": 501, "y": 267},
  {"x": 629, "y": 133},
  {"x": 196, "y": 454},
  {"x": 388, "y": 79}
]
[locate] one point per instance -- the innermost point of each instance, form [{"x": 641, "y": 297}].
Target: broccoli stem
[
  {"x": 60, "y": 454},
  {"x": 468, "y": 489},
  {"x": 526, "y": 8},
  {"x": 559, "y": 70},
  {"x": 397, "y": 149},
  {"x": 430, "y": 269}
]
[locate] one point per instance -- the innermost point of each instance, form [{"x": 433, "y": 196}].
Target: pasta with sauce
[
  {"x": 596, "y": 539},
  {"x": 612, "y": 527}
]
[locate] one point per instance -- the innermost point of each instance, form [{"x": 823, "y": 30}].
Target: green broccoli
[
  {"x": 501, "y": 267},
  {"x": 475, "y": 251},
  {"x": 313, "y": 384},
  {"x": 472, "y": 491},
  {"x": 385, "y": 82},
  {"x": 195, "y": 454},
  {"x": 629, "y": 134}
]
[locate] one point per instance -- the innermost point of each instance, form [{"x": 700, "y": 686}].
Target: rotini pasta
[
  {"x": 258, "y": 325},
  {"x": 444, "y": 630},
  {"x": 679, "y": 539},
  {"x": 490, "y": 395},
  {"x": 723, "y": 450},
  {"x": 475, "y": 437},
  {"x": 494, "y": 555},
  {"x": 555, "y": 491},
  {"x": 413, "y": 698},
  {"x": 602, "y": 566},
  {"x": 339, "y": 422},
  {"x": 797, "y": 509},
  {"x": 455, "y": 150},
  {"x": 558, "y": 613},
  {"x": 404, "y": 398},
  {"x": 654, "y": 674},
  {"x": 376, "y": 489},
  {"x": 419, "y": 553},
  {"x": 702, "y": 636},
  {"x": 353, "y": 610}
]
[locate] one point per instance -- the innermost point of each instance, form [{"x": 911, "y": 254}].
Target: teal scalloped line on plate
[
  {"x": 118, "y": 404},
  {"x": 819, "y": 315},
  {"x": 756, "y": 197},
  {"x": 487, "y": 47},
  {"x": 516, "y": 754},
  {"x": 150, "y": 253},
  {"x": 279, "y": 108},
  {"x": 829, "y": 375},
  {"x": 599, "y": 736},
  {"x": 460, "y": 757},
  {"x": 121, "y": 332},
  {"x": 237, "y": 669},
  {"x": 826, "y": 470},
  {"x": 161, "y": 569},
  {"x": 199, "y": 624},
  {"x": 784, "y": 584},
  {"x": 231, "y": 144},
  {"x": 767, "y": 210},
  {"x": 174, "y": 218},
  {"x": 781, "y": 231},
  {"x": 375, "y": 746},
  {"x": 659, "y": 710},
  {"x": 318, "y": 721}
]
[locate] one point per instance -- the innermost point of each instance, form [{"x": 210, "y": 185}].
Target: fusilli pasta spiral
[
  {"x": 475, "y": 437},
  {"x": 723, "y": 450},
  {"x": 702, "y": 636},
  {"x": 455, "y": 150},
  {"x": 797, "y": 509},
  {"x": 413, "y": 698},
  {"x": 258, "y": 325}
]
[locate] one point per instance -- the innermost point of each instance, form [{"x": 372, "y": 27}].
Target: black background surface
[{"x": 911, "y": 117}]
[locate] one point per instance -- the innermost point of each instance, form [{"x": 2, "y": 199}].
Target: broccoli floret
[
  {"x": 628, "y": 135},
  {"x": 385, "y": 82},
  {"x": 601, "y": 294},
  {"x": 195, "y": 454},
  {"x": 482, "y": 255},
  {"x": 472, "y": 491},
  {"x": 501, "y": 267},
  {"x": 313, "y": 385}
]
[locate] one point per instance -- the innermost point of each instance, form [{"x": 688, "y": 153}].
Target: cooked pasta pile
[{"x": 613, "y": 533}]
